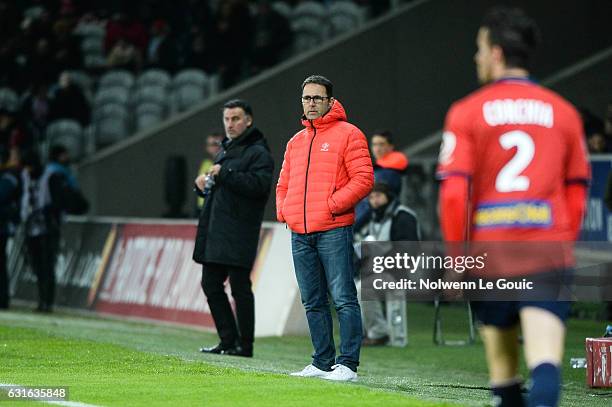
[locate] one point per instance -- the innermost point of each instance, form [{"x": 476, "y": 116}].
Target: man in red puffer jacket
[{"x": 327, "y": 170}]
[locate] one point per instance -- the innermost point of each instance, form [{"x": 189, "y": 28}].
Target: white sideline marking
[{"x": 55, "y": 402}]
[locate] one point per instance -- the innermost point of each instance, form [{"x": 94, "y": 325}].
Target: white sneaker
[
  {"x": 341, "y": 373},
  {"x": 311, "y": 371}
]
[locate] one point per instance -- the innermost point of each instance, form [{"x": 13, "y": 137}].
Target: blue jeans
[{"x": 324, "y": 261}]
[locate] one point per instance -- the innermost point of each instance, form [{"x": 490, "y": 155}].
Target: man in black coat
[{"x": 236, "y": 191}]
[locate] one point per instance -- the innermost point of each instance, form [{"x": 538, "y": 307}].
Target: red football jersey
[{"x": 519, "y": 144}]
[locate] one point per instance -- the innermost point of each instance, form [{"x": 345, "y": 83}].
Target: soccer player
[{"x": 514, "y": 147}]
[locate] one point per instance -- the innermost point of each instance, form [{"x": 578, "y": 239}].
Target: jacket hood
[
  {"x": 335, "y": 114},
  {"x": 395, "y": 160}
]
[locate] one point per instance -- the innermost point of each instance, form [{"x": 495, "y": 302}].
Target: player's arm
[
  {"x": 454, "y": 210},
  {"x": 575, "y": 197},
  {"x": 455, "y": 167},
  {"x": 578, "y": 173}
]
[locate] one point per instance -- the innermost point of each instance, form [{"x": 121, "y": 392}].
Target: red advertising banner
[
  {"x": 140, "y": 268},
  {"x": 150, "y": 274}
]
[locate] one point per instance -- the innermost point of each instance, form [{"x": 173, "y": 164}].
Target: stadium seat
[
  {"x": 89, "y": 30},
  {"x": 110, "y": 110},
  {"x": 282, "y": 8},
  {"x": 195, "y": 77},
  {"x": 111, "y": 123},
  {"x": 308, "y": 34},
  {"x": 190, "y": 87},
  {"x": 114, "y": 95},
  {"x": 345, "y": 16},
  {"x": 9, "y": 100},
  {"x": 89, "y": 140},
  {"x": 68, "y": 133},
  {"x": 117, "y": 78},
  {"x": 110, "y": 129},
  {"x": 187, "y": 96},
  {"x": 309, "y": 9},
  {"x": 148, "y": 115},
  {"x": 151, "y": 94},
  {"x": 94, "y": 61},
  {"x": 309, "y": 23},
  {"x": 214, "y": 84},
  {"x": 34, "y": 12},
  {"x": 92, "y": 46},
  {"x": 153, "y": 77}
]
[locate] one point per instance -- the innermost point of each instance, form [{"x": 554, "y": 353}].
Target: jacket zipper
[{"x": 307, "y": 168}]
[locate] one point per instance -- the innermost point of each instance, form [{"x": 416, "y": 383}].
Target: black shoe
[
  {"x": 238, "y": 351},
  {"x": 217, "y": 350}
]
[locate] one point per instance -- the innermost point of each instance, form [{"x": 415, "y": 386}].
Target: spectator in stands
[
  {"x": 67, "y": 48},
  {"x": 273, "y": 37},
  {"x": 10, "y": 193},
  {"x": 594, "y": 132},
  {"x": 211, "y": 149},
  {"x": 199, "y": 43},
  {"x": 35, "y": 110},
  {"x": 13, "y": 134},
  {"x": 68, "y": 102},
  {"x": 122, "y": 27},
  {"x": 41, "y": 64},
  {"x": 162, "y": 51},
  {"x": 236, "y": 190},
  {"x": 124, "y": 55},
  {"x": 389, "y": 167},
  {"x": 389, "y": 221},
  {"x": 235, "y": 29},
  {"x": 201, "y": 49}
]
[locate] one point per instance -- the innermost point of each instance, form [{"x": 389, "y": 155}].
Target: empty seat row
[{"x": 157, "y": 77}]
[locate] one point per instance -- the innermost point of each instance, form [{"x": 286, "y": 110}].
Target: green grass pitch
[{"x": 109, "y": 362}]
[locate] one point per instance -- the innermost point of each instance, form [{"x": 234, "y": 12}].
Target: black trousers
[
  {"x": 42, "y": 253},
  {"x": 230, "y": 332},
  {"x": 4, "y": 283}
]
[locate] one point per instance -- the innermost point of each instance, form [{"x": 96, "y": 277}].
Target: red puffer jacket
[{"x": 326, "y": 171}]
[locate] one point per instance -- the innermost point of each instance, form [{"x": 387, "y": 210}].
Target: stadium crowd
[{"x": 116, "y": 67}]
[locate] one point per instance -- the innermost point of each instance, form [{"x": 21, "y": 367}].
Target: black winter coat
[{"x": 229, "y": 224}]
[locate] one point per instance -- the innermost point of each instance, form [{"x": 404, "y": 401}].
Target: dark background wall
[{"x": 401, "y": 72}]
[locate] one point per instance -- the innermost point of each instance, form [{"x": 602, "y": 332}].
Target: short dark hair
[
  {"x": 56, "y": 151},
  {"x": 241, "y": 103},
  {"x": 384, "y": 188},
  {"x": 515, "y": 32},
  {"x": 386, "y": 134},
  {"x": 320, "y": 80}
]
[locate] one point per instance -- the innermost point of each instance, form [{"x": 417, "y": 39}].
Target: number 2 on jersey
[{"x": 509, "y": 178}]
